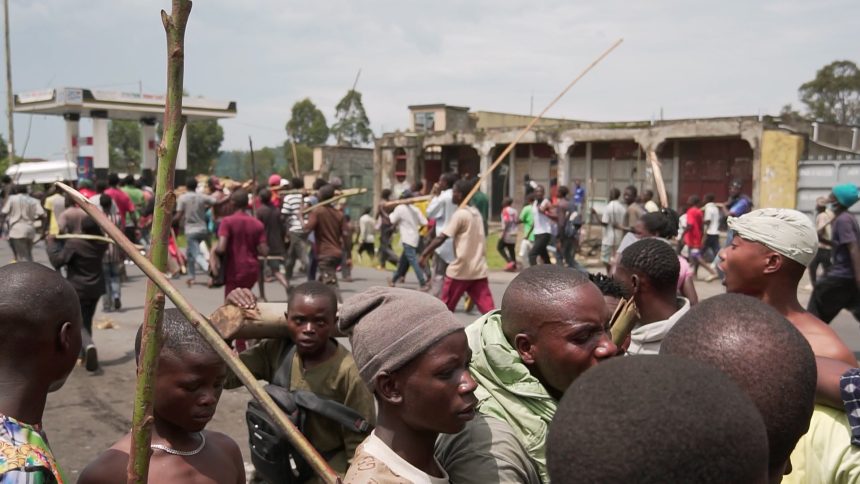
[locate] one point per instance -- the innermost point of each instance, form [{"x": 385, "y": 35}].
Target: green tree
[
  {"x": 788, "y": 113},
  {"x": 305, "y": 155},
  {"x": 307, "y": 124},
  {"x": 204, "y": 142},
  {"x": 834, "y": 95},
  {"x": 4, "y": 155},
  {"x": 124, "y": 138},
  {"x": 351, "y": 125}
]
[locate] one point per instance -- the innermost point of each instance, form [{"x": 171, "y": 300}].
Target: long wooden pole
[
  {"x": 334, "y": 199},
  {"x": 407, "y": 201},
  {"x": 534, "y": 121},
  {"x": 657, "y": 169},
  {"x": 165, "y": 201},
  {"x": 10, "y": 96},
  {"x": 296, "y": 172},
  {"x": 210, "y": 334},
  {"x": 253, "y": 175}
]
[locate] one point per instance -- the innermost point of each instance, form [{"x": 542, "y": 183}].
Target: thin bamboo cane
[
  {"x": 211, "y": 335},
  {"x": 658, "y": 178},
  {"x": 336, "y": 198},
  {"x": 407, "y": 201},
  {"x": 534, "y": 121},
  {"x": 165, "y": 201}
]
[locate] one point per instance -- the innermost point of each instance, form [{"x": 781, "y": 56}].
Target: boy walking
[
  {"x": 320, "y": 365},
  {"x": 188, "y": 385},
  {"x": 693, "y": 237},
  {"x": 408, "y": 221},
  {"x": 468, "y": 273}
]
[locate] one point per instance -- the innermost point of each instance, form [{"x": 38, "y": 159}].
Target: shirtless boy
[
  {"x": 767, "y": 259},
  {"x": 188, "y": 384}
]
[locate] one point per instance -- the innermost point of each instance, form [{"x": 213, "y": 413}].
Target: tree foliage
[
  {"x": 834, "y": 95},
  {"x": 305, "y": 155},
  {"x": 351, "y": 127},
  {"x": 307, "y": 124},
  {"x": 204, "y": 142},
  {"x": 4, "y": 155},
  {"x": 124, "y": 138}
]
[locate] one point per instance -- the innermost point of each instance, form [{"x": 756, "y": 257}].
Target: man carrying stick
[
  {"x": 468, "y": 272},
  {"x": 328, "y": 225}
]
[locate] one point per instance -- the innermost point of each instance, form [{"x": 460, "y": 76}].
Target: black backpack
[{"x": 274, "y": 458}]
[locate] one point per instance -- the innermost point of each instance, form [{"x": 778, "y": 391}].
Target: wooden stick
[
  {"x": 623, "y": 321},
  {"x": 406, "y": 201},
  {"x": 99, "y": 238},
  {"x": 658, "y": 178},
  {"x": 253, "y": 176},
  {"x": 334, "y": 199},
  {"x": 210, "y": 334},
  {"x": 534, "y": 121},
  {"x": 267, "y": 320},
  {"x": 165, "y": 201},
  {"x": 296, "y": 172}
]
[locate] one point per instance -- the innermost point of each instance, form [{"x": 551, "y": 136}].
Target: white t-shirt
[
  {"x": 366, "y": 229},
  {"x": 613, "y": 214},
  {"x": 543, "y": 225},
  {"x": 440, "y": 209},
  {"x": 712, "y": 219},
  {"x": 408, "y": 220},
  {"x": 374, "y": 461}
]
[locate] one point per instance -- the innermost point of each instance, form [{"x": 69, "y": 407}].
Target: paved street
[{"x": 92, "y": 411}]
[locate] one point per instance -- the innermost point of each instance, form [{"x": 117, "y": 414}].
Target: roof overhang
[{"x": 116, "y": 105}]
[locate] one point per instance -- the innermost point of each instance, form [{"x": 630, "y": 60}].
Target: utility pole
[{"x": 10, "y": 103}]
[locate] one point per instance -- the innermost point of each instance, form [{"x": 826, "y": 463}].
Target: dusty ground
[{"x": 92, "y": 411}]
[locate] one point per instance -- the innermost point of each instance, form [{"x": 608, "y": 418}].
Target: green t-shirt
[
  {"x": 336, "y": 379},
  {"x": 136, "y": 196},
  {"x": 527, "y": 218},
  {"x": 482, "y": 203}
]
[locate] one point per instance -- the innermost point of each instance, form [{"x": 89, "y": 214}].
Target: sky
[{"x": 688, "y": 58}]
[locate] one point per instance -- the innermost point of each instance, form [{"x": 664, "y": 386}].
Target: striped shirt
[{"x": 292, "y": 208}]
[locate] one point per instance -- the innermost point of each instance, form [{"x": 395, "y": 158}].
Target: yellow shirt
[
  {"x": 54, "y": 205},
  {"x": 825, "y": 454}
]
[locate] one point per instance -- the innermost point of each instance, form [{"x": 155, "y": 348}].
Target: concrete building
[
  {"x": 697, "y": 156},
  {"x": 354, "y": 166}
]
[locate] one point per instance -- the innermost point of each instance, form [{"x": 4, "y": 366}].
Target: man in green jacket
[{"x": 552, "y": 326}]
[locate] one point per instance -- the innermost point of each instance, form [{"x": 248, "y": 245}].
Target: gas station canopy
[
  {"x": 116, "y": 105},
  {"x": 74, "y": 103}
]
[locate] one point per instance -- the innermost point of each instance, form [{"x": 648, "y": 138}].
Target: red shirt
[
  {"x": 87, "y": 192},
  {"x": 123, "y": 203},
  {"x": 244, "y": 233},
  {"x": 695, "y": 222}
]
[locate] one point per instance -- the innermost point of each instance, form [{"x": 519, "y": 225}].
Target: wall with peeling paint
[{"x": 777, "y": 181}]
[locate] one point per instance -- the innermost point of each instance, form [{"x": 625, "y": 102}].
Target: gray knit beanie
[{"x": 389, "y": 327}]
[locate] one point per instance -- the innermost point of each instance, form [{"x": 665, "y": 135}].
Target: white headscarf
[{"x": 783, "y": 230}]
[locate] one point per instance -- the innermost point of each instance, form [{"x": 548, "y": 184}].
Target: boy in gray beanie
[{"x": 414, "y": 356}]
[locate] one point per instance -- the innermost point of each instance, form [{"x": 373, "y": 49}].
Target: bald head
[
  {"x": 537, "y": 291},
  {"x": 34, "y": 302},
  {"x": 763, "y": 353},
  {"x": 650, "y": 419}
]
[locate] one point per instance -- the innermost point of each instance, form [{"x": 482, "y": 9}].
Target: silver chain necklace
[{"x": 171, "y": 450}]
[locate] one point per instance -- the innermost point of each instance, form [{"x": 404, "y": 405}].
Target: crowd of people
[{"x": 745, "y": 387}]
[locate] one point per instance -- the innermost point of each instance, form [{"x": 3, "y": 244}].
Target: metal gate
[{"x": 817, "y": 178}]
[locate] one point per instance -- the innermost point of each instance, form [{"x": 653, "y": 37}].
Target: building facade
[{"x": 697, "y": 156}]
